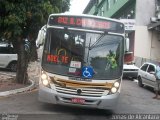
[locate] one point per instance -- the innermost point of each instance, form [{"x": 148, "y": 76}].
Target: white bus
[{"x": 82, "y": 61}]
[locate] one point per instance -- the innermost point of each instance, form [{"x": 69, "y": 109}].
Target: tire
[
  {"x": 13, "y": 66},
  {"x": 140, "y": 82}
]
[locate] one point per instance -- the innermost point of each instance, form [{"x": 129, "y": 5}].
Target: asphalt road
[{"x": 133, "y": 100}]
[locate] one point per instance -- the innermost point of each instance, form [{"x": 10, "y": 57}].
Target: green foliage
[{"x": 22, "y": 18}]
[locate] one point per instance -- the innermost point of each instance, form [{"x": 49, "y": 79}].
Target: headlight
[
  {"x": 43, "y": 76},
  {"x": 116, "y": 84},
  {"x": 115, "y": 87},
  {"x": 114, "y": 90},
  {"x": 45, "y": 82}
]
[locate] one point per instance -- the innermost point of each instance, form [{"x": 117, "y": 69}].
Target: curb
[
  {"x": 2, "y": 73},
  {"x": 20, "y": 90}
]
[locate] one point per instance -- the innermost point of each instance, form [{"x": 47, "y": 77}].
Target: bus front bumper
[{"x": 108, "y": 102}]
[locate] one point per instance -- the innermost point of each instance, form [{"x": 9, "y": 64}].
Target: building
[{"x": 142, "y": 23}]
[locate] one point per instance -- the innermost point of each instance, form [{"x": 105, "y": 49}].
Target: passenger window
[
  {"x": 144, "y": 67},
  {"x": 4, "y": 50},
  {"x": 151, "y": 68},
  {"x": 11, "y": 50}
]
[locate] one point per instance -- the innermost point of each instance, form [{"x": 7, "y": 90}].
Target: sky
[{"x": 77, "y": 6}]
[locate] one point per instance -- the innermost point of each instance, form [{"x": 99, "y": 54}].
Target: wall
[
  {"x": 144, "y": 10},
  {"x": 155, "y": 46},
  {"x": 114, "y": 7},
  {"x": 92, "y": 11},
  {"x": 147, "y": 46},
  {"x": 142, "y": 42}
]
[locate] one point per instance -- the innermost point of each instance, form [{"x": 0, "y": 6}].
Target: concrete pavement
[{"x": 33, "y": 73}]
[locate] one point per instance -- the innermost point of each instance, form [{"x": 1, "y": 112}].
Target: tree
[{"x": 21, "y": 20}]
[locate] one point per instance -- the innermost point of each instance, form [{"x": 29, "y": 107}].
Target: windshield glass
[{"x": 83, "y": 54}]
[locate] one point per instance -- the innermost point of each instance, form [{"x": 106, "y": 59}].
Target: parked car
[
  {"x": 8, "y": 58},
  {"x": 130, "y": 71},
  {"x": 146, "y": 74}
]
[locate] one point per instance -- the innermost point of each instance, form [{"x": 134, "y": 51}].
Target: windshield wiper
[{"x": 97, "y": 41}]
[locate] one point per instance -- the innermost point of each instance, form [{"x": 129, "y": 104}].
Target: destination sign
[{"x": 89, "y": 23}]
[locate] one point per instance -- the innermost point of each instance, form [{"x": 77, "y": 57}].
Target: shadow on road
[
  {"x": 77, "y": 110},
  {"x": 148, "y": 88}
]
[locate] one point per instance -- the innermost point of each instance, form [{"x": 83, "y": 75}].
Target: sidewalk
[{"x": 8, "y": 85}]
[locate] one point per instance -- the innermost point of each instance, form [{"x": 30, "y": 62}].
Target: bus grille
[
  {"x": 81, "y": 88},
  {"x": 91, "y": 92}
]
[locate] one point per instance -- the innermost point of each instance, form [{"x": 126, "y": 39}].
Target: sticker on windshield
[
  {"x": 111, "y": 61},
  {"x": 87, "y": 72},
  {"x": 72, "y": 70},
  {"x": 75, "y": 64}
]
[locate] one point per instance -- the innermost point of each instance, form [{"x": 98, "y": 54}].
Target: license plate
[{"x": 77, "y": 100}]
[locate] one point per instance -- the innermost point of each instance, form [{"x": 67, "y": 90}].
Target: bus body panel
[{"x": 51, "y": 96}]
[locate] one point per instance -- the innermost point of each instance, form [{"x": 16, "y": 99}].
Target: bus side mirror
[
  {"x": 126, "y": 44},
  {"x": 41, "y": 36}
]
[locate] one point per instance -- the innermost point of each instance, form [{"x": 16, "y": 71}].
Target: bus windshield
[{"x": 66, "y": 52}]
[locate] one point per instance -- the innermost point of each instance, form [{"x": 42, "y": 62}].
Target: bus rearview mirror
[{"x": 127, "y": 44}]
